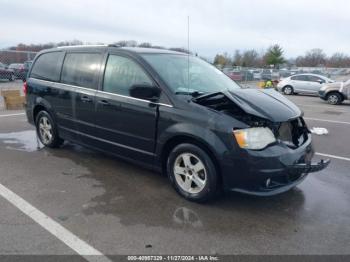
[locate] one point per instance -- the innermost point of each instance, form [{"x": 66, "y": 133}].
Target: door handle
[
  {"x": 104, "y": 102},
  {"x": 86, "y": 99}
]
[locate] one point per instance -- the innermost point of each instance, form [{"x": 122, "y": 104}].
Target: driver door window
[
  {"x": 315, "y": 83},
  {"x": 121, "y": 74}
]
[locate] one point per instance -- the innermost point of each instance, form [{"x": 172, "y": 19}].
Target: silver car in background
[{"x": 303, "y": 83}]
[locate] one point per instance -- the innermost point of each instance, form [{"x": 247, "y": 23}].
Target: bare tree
[
  {"x": 237, "y": 58},
  {"x": 314, "y": 57},
  {"x": 145, "y": 45},
  {"x": 180, "y": 49},
  {"x": 250, "y": 58},
  {"x": 339, "y": 60}
]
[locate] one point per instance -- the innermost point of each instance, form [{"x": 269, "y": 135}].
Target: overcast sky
[{"x": 215, "y": 25}]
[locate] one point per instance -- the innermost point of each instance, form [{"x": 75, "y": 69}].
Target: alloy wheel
[
  {"x": 288, "y": 90},
  {"x": 45, "y": 129},
  {"x": 190, "y": 173},
  {"x": 333, "y": 99}
]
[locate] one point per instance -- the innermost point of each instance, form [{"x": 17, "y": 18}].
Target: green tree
[{"x": 274, "y": 56}]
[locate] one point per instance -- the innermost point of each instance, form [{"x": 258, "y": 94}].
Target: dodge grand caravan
[{"x": 171, "y": 112}]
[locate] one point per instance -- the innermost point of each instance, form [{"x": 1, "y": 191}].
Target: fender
[{"x": 198, "y": 133}]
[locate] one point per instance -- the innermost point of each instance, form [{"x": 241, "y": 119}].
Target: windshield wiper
[
  {"x": 193, "y": 94},
  {"x": 205, "y": 96}
]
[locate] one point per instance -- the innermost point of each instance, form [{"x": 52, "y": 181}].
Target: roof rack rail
[{"x": 77, "y": 46}]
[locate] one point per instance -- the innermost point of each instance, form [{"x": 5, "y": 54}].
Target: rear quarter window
[{"x": 48, "y": 66}]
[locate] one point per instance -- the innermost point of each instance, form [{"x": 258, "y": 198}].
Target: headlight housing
[{"x": 254, "y": 138}]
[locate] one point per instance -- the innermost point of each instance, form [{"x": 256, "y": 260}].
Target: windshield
[{"x": 204, "y": 78}]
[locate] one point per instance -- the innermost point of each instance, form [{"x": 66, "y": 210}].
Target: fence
[
  {"x": 244, "y": 74},
  {"x": 14, "y": 64}
]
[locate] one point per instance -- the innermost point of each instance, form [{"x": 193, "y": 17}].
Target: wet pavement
[{"x": 119, "y": 208}]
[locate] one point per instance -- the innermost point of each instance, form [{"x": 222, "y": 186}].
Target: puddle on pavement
[
  {"x": 329, "y": 112},
  {"x": 21, "y": 141}
]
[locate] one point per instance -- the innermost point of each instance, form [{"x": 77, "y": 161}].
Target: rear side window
[
  {"x": 48, "y": 66},
  {"x": 314, "y": 79},
  {"x": 300, "y": 78},
  {"x": 81, "y": 69},
  {"x": 121, "y": 74}
]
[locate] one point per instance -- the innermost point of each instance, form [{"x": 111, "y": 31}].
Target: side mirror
[
  {"x": 145, "y": 92},
  {"x": 320, "y": 81}
]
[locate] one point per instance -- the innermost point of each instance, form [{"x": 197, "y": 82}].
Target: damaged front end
[{"x": 275, "y": 149}]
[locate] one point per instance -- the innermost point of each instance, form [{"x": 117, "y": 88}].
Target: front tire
[
  {"x": 334, "y": 98},
  {"x": 192, "y": 173},
  {"x": 47, "y": 130}
]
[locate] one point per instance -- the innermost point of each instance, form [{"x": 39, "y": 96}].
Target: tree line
[
  {"x": 122, "y": 43},
  {"x": 20, "y": 57},
  {"x": 274, "y": 56}
]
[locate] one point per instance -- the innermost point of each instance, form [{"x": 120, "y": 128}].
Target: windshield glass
[{"x": 204, "y": 78}]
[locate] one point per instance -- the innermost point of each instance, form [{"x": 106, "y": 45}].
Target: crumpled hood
[{"x": 265, "y": 103}]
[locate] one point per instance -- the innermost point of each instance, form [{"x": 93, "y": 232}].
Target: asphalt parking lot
[{"x": 114, "y": 207}]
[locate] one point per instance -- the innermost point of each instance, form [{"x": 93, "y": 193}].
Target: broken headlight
[{"x": 254, "y": 138}]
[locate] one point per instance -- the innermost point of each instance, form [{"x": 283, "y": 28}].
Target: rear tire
[
  {"x": 288, "y": 90},
  {"x": 47, "y": 130},
  {"x": 334, "y": 98},
  {"x": 192, "y": 173}
]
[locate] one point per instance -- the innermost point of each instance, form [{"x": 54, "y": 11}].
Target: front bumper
[
  {"x": 272, "y": 171},
  {"x": 322, "y": 94}
]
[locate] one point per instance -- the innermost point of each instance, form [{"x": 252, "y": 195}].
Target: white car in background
[
  {"x": 303, "y": 83},
  {"x": 257, "y": 74}
]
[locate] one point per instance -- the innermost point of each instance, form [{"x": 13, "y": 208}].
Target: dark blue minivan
[{"x": 174, "y": 113}]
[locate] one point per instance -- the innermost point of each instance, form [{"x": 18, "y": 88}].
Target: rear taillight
[{"x": 25, "y": 88}]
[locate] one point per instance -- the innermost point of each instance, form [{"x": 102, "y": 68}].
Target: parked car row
[
  {"x": 14, "y": 71},
  {"x": 250, "y": 74},
  {"x": 6, "y": 73},
  {"x": 240, "y": 75},
  {"x": 327, "y": 89}
]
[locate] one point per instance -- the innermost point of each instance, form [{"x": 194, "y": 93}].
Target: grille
[{"x": 293, "y": 133}]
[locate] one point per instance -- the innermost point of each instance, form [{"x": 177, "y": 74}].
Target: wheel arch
[
  {"x": 41, "y": 104},
  {"x": 288, "y": 85},
  {"x": 335, "y": 92},
  {"x": 174, "y": 141}
]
